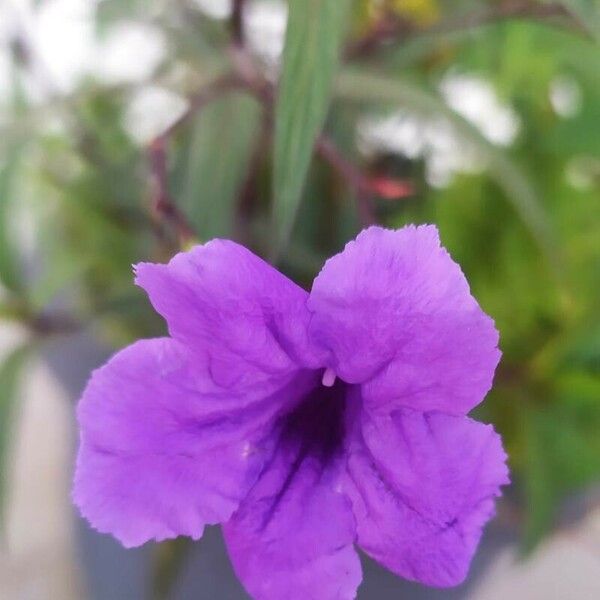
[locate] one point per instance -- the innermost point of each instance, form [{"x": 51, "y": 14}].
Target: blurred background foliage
[{"x": 481, "y": 117}]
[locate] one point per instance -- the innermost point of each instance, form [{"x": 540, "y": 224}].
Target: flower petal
[
  {"x": 423, "y": 486},
  {"x": 221, "y": 295},
  {"x": 292, "y": 537},
  {"x": 395, "y": 313},
  {"x": 164, "y": 448}
]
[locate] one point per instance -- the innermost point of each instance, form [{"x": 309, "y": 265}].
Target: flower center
[{"x": 318, "y": 422}]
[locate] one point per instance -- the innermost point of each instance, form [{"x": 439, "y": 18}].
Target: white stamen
[
  {"x": 328, "y": 377},
  {"x": 246, "y": 450}
]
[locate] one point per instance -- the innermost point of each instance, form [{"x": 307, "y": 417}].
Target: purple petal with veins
[{"x": 307, "y": 424}]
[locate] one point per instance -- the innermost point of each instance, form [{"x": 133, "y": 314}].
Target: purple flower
[{"x": 307, "y": 424}]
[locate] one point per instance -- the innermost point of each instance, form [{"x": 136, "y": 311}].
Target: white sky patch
[
  {"x": 151, "y": 110},
  {"x": 265, "y": 22},
  {"x": 62, "y": 35},
  {"x": 57, "y": 34},
  {"x": 8, "y": 18},
  {"x": 475, "y": 99},
  {"x": 565, "y": 96},
  {"x": 215, "y": 9},
  {"x": 65, "y": 49},
  {"x": 445, "y": 152},
  {"x": 416, "y": 136},
  {"x": 130, "y": 52}
]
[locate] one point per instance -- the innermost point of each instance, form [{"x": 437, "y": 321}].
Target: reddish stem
[{"x": 163, "y": 207}]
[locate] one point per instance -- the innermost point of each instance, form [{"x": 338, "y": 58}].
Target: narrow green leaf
[
  {"x": 217, "y": 162},
  {"x": 314, "y": 35},
  {"x": 9, "y": 270},
  {"x": 10, "y": 158},
  {"x": 366, "y": 87},
  {"x": 10, "y": 371}
]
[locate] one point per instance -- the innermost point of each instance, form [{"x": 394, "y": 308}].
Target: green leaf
[
  {"x": 563, "y": 454},
  {"x": 64, "y": 270},
  {"x": 9, "y": 269},
  {"x": 367, "y": 87},
  {"x": 314, "y": 35},
  {"x": 10, "y": 371},
  {"x": 217, "y": 163},
  {"x": 10, "y": 273}
]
